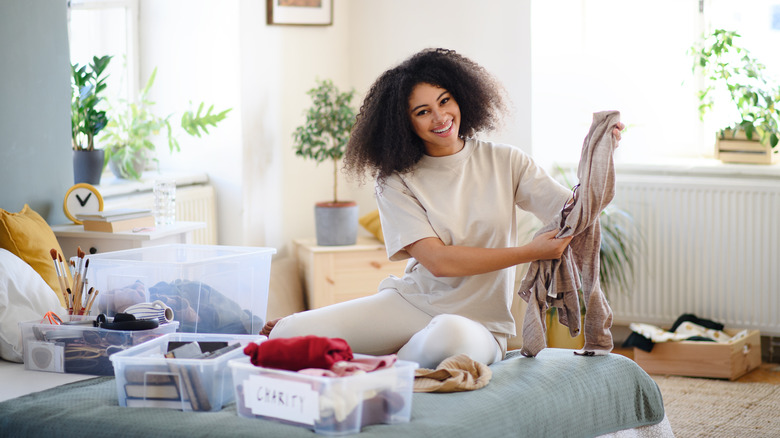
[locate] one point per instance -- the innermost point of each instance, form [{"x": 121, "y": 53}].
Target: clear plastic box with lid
[{"x": 210, "y": 288}]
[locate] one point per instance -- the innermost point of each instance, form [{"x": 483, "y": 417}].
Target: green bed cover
[{"x": 555, "y": 394}]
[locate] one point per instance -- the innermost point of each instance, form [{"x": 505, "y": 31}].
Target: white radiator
[
  {"x": 711, "y": 248},
  {"x": 193, "y": 203}
]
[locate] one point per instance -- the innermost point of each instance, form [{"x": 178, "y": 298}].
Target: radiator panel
[
  {"x": 710, "y": 248},
  {"x": 195, "y": 203}
]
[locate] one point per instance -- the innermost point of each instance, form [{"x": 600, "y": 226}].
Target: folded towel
[{"x": 454, "y": 374}]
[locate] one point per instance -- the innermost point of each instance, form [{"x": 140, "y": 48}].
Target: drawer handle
[{"x": 375, "y": 265}]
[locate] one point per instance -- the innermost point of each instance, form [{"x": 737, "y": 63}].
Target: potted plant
[
  {"x": 730, "y": 70},
  {"x": 324, "y": 137},
  {"x": 87, "y": 119},
  {"x": 127, "y": 136}
]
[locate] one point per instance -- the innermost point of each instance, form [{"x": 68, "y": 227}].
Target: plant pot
[
  {"x": 558, "y": 335},
  {"x": 122, "y": 169},
  {"x": 88, "y": 166},
  {"x": 336, "y": 223},
  {"x": 736, "y": 148}
]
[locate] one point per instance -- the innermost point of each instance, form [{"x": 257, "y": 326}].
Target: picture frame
[{"x": 300, "y": 12}]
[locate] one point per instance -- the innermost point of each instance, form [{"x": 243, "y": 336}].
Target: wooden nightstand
[
  {"x": 71, "y": 237},
  {"x": 332, "y": 274}
]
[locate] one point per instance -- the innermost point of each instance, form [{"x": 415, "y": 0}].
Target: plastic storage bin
[
  {"x": 327, "y": 405},
  {"x": 79, "y": 348},
  {"x": 211, "y": 288},
  {"x": 146, "y": 378}
]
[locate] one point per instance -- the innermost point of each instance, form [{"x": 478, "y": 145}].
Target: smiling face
[{"x": 435, "y": 118}]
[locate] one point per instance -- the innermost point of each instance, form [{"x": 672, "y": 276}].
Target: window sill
[{"x": 691, "y": 167}]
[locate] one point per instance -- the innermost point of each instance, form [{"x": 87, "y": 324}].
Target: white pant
[{"x": 385, "y": 323}]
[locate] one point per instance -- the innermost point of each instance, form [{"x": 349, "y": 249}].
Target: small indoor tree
[
  {"x": 324, "y": 137},
  {"x": 325, "y": 133}
]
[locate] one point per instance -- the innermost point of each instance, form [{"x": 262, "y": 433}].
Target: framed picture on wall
[{"x": 300, "y": 12}]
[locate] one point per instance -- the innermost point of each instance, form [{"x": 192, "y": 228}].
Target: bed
[{"x": 554, "y": 394}]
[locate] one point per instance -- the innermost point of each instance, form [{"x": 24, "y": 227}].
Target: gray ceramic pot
[{"x": 336, "y": 223}]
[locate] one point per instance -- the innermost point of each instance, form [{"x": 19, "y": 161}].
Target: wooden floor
[{"x": 766, "y": 373}]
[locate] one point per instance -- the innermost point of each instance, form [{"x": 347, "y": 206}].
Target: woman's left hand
[{"x": 617, "y": 130}]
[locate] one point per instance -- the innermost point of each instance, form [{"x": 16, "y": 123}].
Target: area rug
[{"x": 698, "y": 407}]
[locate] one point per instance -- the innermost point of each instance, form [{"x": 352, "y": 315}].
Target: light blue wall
[{"x": 35, "y": 156}]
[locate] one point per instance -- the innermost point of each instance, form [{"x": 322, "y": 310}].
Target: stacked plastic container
[
  {"x": 76, "y": 346},
  {"x": 146, "y": 378},
  {"x": 326, "y": 405}
]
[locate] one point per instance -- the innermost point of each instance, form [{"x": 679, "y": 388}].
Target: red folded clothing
[{"x": 299, "y": 352}]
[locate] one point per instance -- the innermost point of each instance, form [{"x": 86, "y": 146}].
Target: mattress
[{"x": 555, "y": 393}]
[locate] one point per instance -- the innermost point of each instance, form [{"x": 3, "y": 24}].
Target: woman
[{"x": 447, "y": 203}]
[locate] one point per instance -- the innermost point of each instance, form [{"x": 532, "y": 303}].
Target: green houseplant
[
  {"x": 731, "y": 70},
  {"x": 87, "y": 118},
  {"x": 323, "y": 137},
  {"x": 127, "y": 136}
]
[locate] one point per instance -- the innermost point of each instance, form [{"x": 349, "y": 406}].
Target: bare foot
[{"x": 269, "y": 326}]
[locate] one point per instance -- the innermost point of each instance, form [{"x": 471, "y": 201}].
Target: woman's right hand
[{"x": 546, "y": 247}]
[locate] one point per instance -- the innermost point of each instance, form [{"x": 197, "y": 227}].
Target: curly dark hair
[{"x": 383, "y": 141}]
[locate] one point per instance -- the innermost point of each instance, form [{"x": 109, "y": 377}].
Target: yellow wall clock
[{"x": 82, "y": 198}]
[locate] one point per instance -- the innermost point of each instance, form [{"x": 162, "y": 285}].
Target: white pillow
[{"x": 24, "y": 296}]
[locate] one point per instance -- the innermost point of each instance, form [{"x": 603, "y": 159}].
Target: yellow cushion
[
  {"x": 370, "y": 221},
  {"x": 27, "y": 235}
]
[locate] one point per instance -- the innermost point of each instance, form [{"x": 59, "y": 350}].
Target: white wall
[
  {"x": 224, "y": 53},
  {"x": 494, "y": 33}
]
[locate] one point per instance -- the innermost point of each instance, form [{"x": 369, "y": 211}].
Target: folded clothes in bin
[
  {"x": 687, "y": 327},
  {"x": 209, "y": 288},
  {"x": 215, "y": 313},
  {"x": 194, "y": 304}
]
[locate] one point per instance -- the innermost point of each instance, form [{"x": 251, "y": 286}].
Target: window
[
  {"x": 107, "y": 27},
  {"x": 633, "y": 56}
]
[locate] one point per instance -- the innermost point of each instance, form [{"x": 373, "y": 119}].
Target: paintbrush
[
  {"x": 84, "y": 276},
  {"x": 63, "y": 286},
  {"x": 90, "y": 301},
  {"x": 87, "y": 300},
  {"x": 77, "y": 281},
  {"x": 70, "y": 301},
  {"x": 64, "y": 270}
]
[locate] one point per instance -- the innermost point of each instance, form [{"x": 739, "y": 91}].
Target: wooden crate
[
  {"x": 745, "y": 151},
  {"x": 729, "y": 360}
]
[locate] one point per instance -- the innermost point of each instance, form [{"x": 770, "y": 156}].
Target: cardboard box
[
  {"x": 146, "y": 378},
  {"x": 728, "y": 360},
  {"x": 76, "y": 346},
  {"x": 327, "y": 405},
  {"x": 210, "y": 288}
]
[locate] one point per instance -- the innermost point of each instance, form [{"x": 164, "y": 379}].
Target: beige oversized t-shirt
[{"x": 465, "y": 199}]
